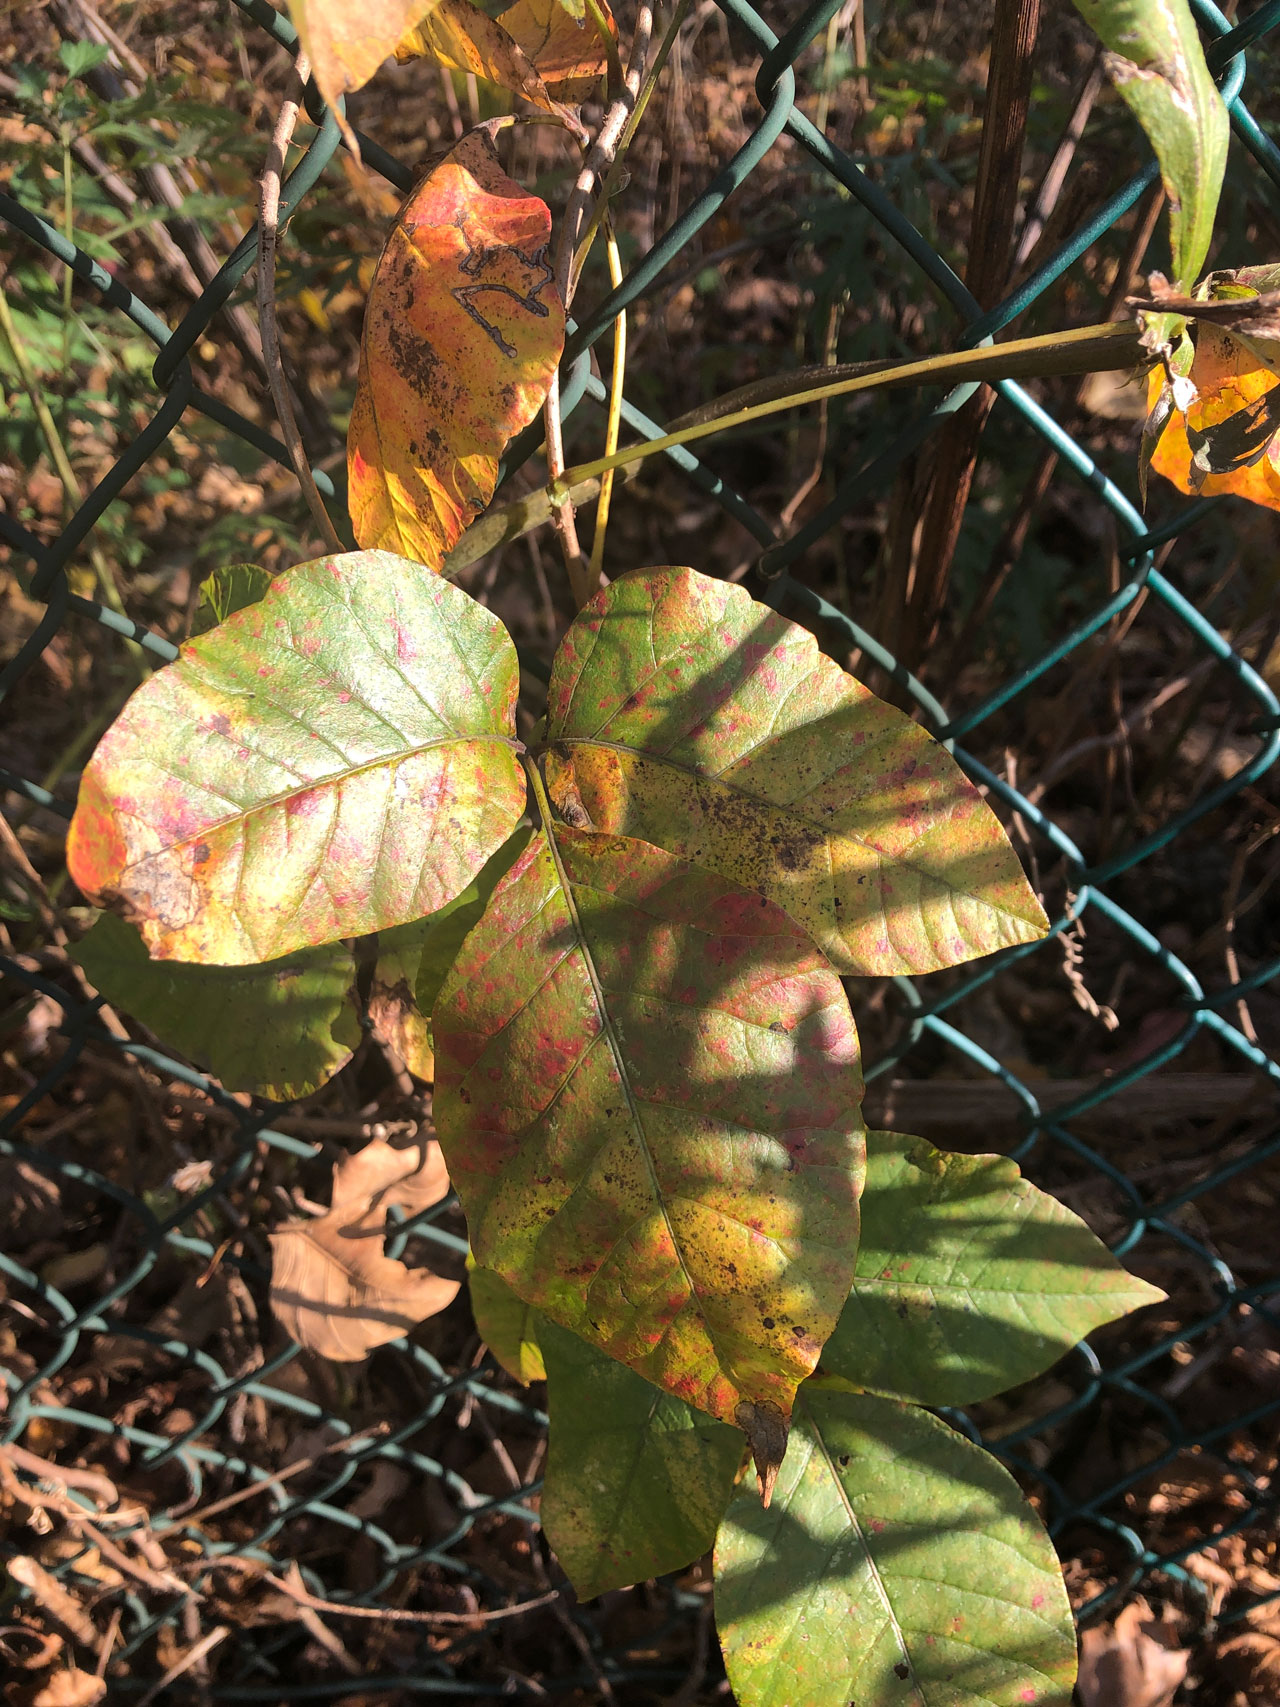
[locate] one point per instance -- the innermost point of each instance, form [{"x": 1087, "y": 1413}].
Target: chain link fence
[{"x": 218, "y": 1495}]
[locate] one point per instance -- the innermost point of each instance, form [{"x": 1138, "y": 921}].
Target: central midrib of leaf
[
  {"x": 820, "y": 1445},
  {"x": 624, "y": 1076},
  {"x": 331, "y": 780}
]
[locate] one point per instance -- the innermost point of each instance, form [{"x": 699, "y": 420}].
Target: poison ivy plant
[
  {"x": 897, "y": 1564},
  {"x": 969, "y": 1280},
  {"x": 616, "y": 948}
]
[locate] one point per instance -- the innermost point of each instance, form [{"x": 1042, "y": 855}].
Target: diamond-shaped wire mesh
[{"x": 309, "y": 1506}]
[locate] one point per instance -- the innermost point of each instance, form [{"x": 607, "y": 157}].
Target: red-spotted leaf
[
  {"x": 969, "y": 1279},
  {"x": 898, "y": 1566},
  {"x": 336, "y": 759},
  {"x": 462, "y": 333},
  {"x": 683, "y": 712},
  {"x": 647, "y": 1090}
]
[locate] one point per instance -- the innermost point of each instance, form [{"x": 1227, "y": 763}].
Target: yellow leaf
[
  {"x": 525, "y": 50},
  {"x": 1218, "y": 429}
]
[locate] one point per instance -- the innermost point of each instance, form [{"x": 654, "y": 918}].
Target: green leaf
[
  {"x": 227, "y": 591},
  {"x": 647, "y": 1091},
  {"x": 636, "y": 1480},
  {"x": 77, "y": 57},
  {"x": 898, "y": 1566},
  {"x": 336, "y": 759},
  {"x": 969, "y": 1279},
  {"x": 279, "y": 1030},
  {"x": 507, "y": 1325},
  {"x": 1158, "y": 65},
  {"x": 683, "y": 712}
]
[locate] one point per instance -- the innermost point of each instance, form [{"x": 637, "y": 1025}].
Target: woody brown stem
[{"x": 1017, "y": 24}]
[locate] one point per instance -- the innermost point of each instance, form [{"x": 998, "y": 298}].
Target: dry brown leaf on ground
[
  {"x": 1130, "y": 1663},
  {"x": 64, "y": 1689},
  {"x": 333, "y": 1288}
]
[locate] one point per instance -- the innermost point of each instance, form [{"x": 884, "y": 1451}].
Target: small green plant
[{"x": 628, "y": 936}]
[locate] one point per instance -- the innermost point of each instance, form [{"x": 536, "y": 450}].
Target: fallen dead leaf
[
  {"x": 333, "y": 1288},
  {"x": 65, "y": 1689},
  {"x": 1130, "y": 1663}
]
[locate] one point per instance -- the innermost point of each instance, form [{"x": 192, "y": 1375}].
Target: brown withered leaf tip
[{"x": 766, "y": 1430}]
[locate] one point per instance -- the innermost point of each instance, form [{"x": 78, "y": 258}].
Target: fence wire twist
[{"x": 255, "y": 1676}]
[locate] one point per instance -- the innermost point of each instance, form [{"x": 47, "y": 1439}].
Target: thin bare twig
[
  {"x": 192, "y": 1657},
  {"x": 66, "y": 1612},
  {"x": 268, "y": 232},
  {"x": 598, "y": 159}
]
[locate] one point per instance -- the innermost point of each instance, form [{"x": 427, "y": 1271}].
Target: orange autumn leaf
[
  {"x": 1229, "y": 379},
  {"x": 534, "y": 49},
  {"x": 462, "y": 334},
  {"x": 568, "y": 54},
  {"x": 1217, "y": 428},
  {"x": 346, "y": 44}
]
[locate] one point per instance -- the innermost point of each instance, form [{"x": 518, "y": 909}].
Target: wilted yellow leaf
[
  {"x": 333, "y": 1288},
  {"x": 569, "y": 55}
]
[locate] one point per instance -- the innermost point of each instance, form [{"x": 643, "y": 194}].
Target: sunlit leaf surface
[
  {"x": 683, "y": 712},
  {"x": 524, "y": 50},
  {"x": 898, "y": 1566},
  {"x": 566, "y": 49},
  {"x": 333, "y": 1287},
  {"x": 347, "y": 40},
  {"x": 1157, "y": 63},
  {"x": 969, "y": 1279},
  {"x": 1227, "y": 441},
  {"x": 336, "y": 759}
]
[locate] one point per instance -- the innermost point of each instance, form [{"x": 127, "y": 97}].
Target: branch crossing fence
[{"x": 286, "y": 1513}]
